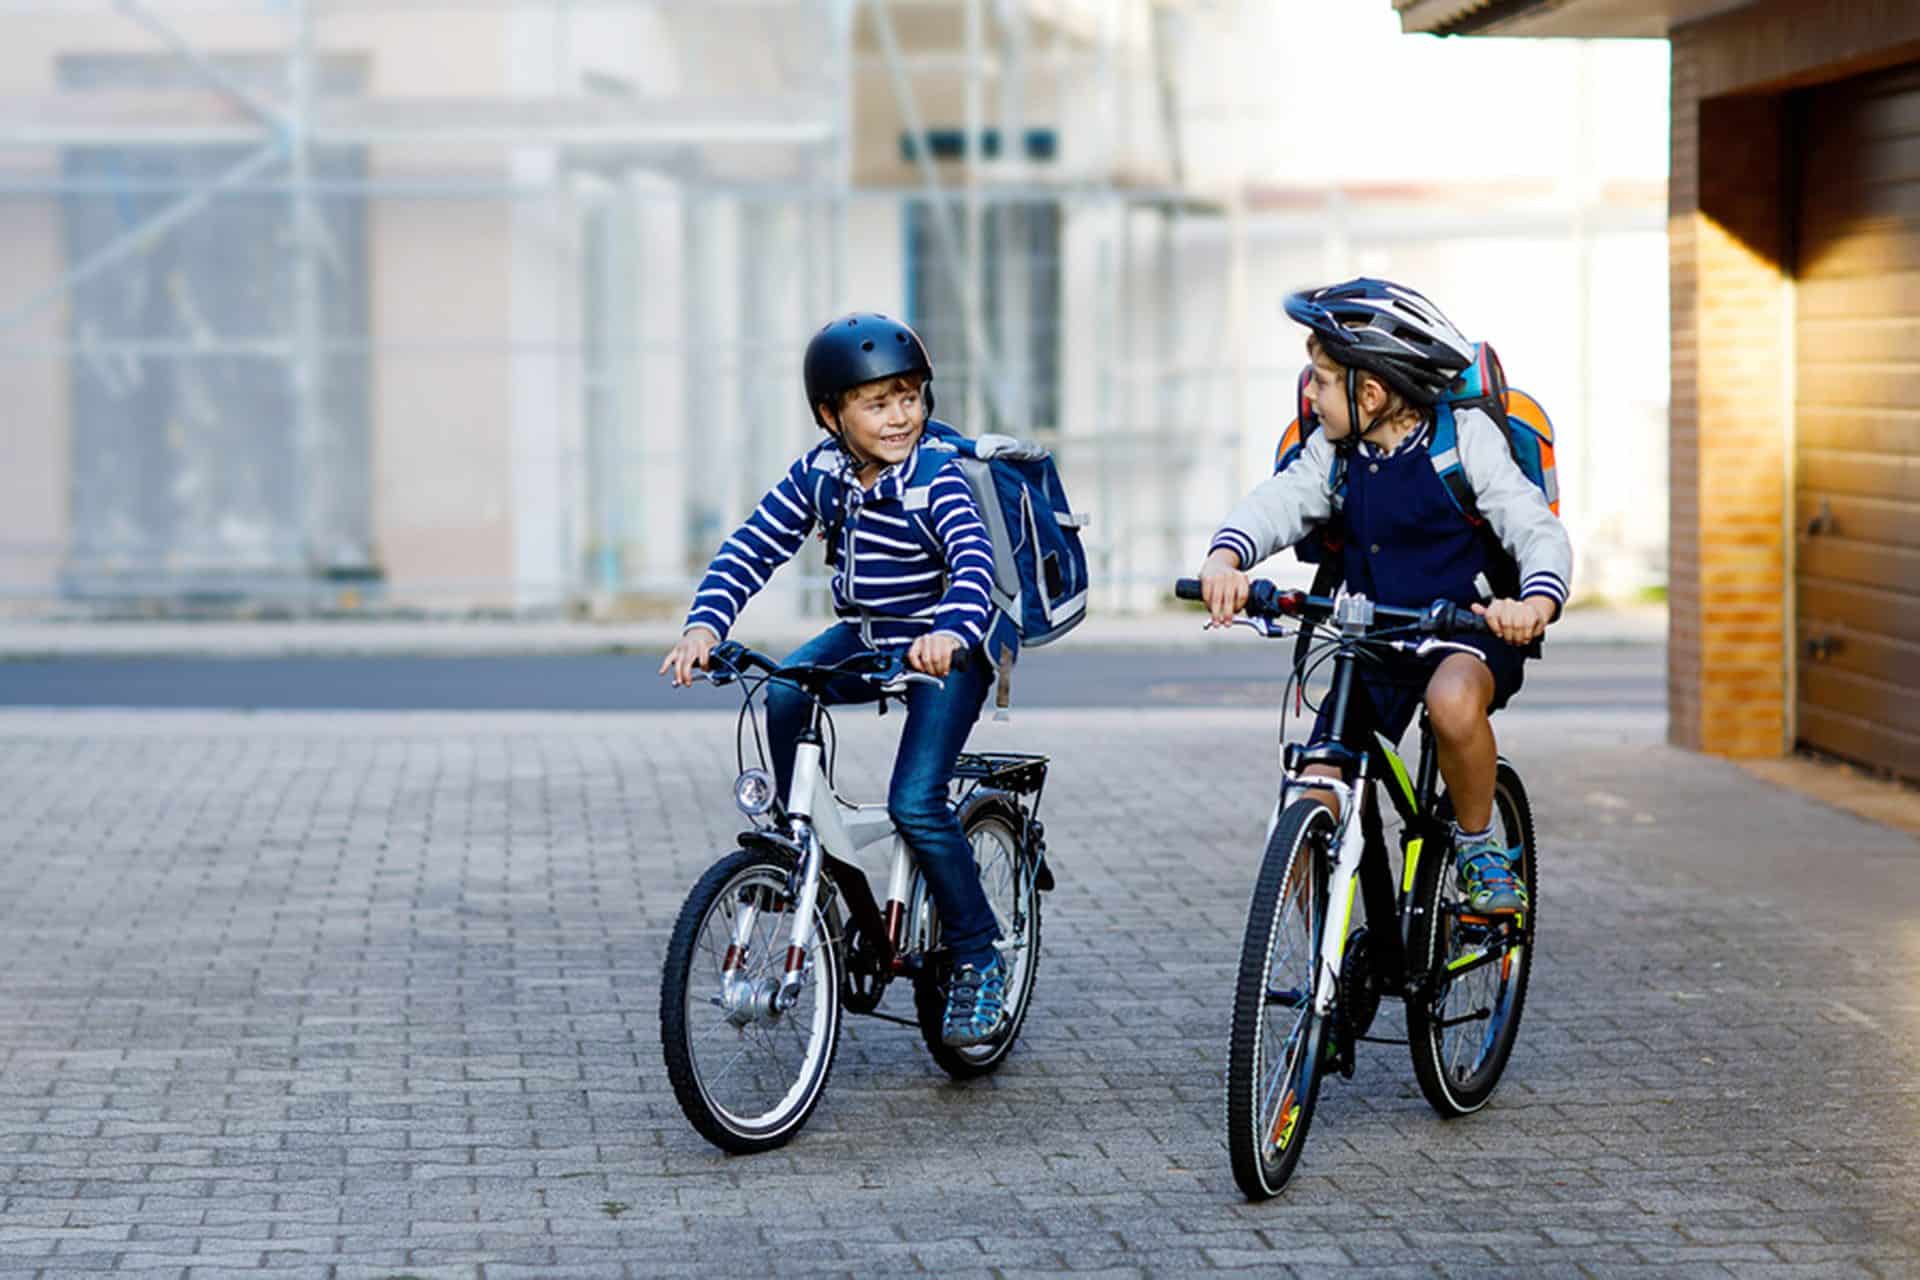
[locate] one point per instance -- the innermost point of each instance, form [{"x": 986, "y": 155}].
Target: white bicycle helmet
[{"x": 1389, "y": 330}]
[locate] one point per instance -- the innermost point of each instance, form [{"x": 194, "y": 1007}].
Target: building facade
[{"x": 499, "y": 304}]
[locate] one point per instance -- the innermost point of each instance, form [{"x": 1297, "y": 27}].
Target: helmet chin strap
[
  {"x": 846, "y": 445},
  {"x": 1354, "y": 437}
]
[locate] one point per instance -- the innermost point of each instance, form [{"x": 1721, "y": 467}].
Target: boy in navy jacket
[{"x": 1382, "y": 358}]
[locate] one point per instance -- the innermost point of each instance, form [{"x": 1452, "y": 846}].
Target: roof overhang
[{"x": 1580, "y": 18}]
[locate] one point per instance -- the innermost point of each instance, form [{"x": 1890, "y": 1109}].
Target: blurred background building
[{"x": 499, "y": 304}]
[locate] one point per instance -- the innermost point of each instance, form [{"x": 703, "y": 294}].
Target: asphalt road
[{"x": 1574, "y": 677}]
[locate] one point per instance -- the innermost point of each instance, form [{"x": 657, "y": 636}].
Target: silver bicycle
[{"x": 782, "y": 936}]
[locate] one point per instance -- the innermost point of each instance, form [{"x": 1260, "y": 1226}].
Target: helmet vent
[{"x": 867, "y": 345}]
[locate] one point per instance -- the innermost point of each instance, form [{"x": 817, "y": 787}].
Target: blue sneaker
[
  {"x": 976, "y": 1004},
  {"x": 1486, "y": 873}
]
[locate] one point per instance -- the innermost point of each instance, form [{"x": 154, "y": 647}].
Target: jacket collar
[
  {"x": 1413, "y": 440},
  {"x": 888, "y": 486}
]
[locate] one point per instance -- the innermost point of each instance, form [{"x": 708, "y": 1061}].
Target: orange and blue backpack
[{"x": 1483, "y": 385}]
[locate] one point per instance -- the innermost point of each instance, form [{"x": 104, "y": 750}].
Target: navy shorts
[{"x": 1386, "y": 695}]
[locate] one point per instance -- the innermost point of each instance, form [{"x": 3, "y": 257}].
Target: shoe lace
[
  {"x": 1485, "y": 863},
  {"x": 975, "y": 994},
  {"x": 963, "y": 992}
]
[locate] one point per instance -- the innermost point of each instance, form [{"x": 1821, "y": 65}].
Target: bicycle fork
[
  {"x": 741, "y": 993},
  {"x": 1340, "y": 891}
]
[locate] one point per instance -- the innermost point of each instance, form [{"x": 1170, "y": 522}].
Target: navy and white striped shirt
[{"x": 888, "y": 578}]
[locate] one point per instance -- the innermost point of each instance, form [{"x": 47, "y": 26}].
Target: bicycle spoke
[
  {"x": 731, "y": 1063},
  {"x": 708, "y": 1034}
]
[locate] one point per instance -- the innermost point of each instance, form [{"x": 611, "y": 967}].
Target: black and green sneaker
[{"x": 1486, "y": 874}]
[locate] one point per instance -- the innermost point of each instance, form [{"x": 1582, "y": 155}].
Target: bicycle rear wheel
[
  {"x": 1462, "y": 1032},
  {"x": 1010, "y": 879},
  {"x": 747, "y": 1068},
  {"x": 1274, "y": 1050}
]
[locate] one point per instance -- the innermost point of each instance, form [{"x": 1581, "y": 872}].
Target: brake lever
[
  {"x": 898, "y": 682},
  {"x": 1269, "y": 627},
  {"x": 1433, "y": 644}
]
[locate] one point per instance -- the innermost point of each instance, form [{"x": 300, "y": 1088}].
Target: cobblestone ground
[{"x": 377, "y": 996}]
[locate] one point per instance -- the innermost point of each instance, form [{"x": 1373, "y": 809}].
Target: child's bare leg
[{"x": 1457, "y": 700}]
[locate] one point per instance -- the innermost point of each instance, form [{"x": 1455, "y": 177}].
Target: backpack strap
[
  {"x": 823, "y": 483},
  {"x": 917, "y": 495},
  {"x": 1443, "y": 450}
]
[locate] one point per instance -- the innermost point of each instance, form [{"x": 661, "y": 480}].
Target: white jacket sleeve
[
  {"x": 1515, "y": 509},
  {"x": 1280, "y": 510}
]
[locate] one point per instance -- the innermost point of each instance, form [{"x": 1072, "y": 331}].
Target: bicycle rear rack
[{"x": 1017, "y": 772}]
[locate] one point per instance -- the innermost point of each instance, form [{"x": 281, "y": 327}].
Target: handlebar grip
[
  {"x": 1451, "y": 619},
  {"x": 1264, "y": 599}
]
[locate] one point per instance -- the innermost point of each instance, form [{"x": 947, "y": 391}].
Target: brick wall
[
  {"x": 1730, "y": 207},
  {"x": 1730, "y": 428}
]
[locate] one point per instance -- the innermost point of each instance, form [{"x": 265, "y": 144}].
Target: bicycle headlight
[{"x": 753, "y": 792}]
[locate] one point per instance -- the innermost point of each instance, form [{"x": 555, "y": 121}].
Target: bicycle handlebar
[
  {"x": 1265, "y": 600},
  {"x": 728, "y": 660}
]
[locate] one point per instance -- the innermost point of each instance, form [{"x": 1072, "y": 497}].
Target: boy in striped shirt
[{"x": 867, "y": 380}]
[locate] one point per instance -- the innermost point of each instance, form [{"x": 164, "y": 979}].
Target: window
[{"x": 1018, "y": 285}]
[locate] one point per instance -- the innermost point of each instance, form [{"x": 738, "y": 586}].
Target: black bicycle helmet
[
  {"x": 1386, "y": 329},
  {"x": 862, "y": 347}
]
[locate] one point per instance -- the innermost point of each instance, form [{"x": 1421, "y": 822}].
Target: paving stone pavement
[{"x": 376, "y": 996}]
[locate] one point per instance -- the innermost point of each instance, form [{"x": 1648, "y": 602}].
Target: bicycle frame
[
  {"x": 828, "y": 831},
  {"x": 1361, "y": 858}
]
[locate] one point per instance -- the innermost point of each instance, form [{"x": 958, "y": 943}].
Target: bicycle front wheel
[
  {"x": 1274, "y": 1050},
  {"x": 1462, "y": 1029},
  {"x": 747, "y": 1065}
]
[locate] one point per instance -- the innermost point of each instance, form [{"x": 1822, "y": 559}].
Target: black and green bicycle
[{"x": 1310, "y": 981}]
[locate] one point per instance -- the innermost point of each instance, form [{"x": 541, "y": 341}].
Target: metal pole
[
  {"x": 979, "y": 353},
  {"x": 840, "y": 179},
  {"x": 209, "y": 70},
  {"x": 1015, "y": 227},
  {"x": 139, "y": 238},
  {"x": 320, "y": 540},
  {"x": 970, "y": 141}
]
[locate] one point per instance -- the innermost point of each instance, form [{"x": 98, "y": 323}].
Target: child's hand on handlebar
[
  {"x": 1517, "y": 621},
  {"x": 934, "y": 653},
  {"x": 1223, "y": 586},
  {"x": 691, "y": 652}
]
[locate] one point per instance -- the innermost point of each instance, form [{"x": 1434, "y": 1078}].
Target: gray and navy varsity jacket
[
  {"x": 1406, "y": 543},
  {"x": 888, "y": 577}
]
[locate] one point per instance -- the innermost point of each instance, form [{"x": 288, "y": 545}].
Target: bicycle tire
[
  {"x": 1452, "y": 1088},
  {"x": 683, "y": 986},
  {"x": 1020, "y": 929},
  {"x": 1265, "y": 1143}
]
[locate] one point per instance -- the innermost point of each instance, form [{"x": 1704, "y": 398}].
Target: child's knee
[
  {"x": 917, "y": 810},
  {"x": 1457, "y": 704}
]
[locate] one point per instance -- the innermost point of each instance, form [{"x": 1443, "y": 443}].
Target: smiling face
[{"x": 883, "y": 420}]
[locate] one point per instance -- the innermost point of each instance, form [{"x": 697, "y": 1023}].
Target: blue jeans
[{"x": 938, "y": 721}]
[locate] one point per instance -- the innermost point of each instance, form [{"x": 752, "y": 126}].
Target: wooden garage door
[{"x": 1858, "y": 434}]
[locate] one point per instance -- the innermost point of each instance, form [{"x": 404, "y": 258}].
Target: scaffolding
[{"x": 499, "y": 303}]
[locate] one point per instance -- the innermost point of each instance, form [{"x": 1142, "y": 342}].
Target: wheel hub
[{"x": 747, "y": 1000}]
